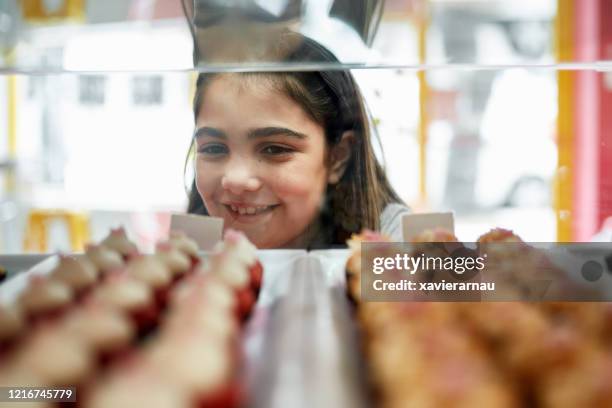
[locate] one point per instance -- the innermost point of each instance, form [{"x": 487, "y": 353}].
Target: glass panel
[{"x": 151, "y": 35}]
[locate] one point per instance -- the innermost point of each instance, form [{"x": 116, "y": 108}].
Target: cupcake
[
  {"x": 237, "y": 244},
  {"x": 107, "y": 332},
  {"x": 45, "y": 298},
  {"x": 206, "y": 321},
  {"x": 175, "y": 260},
  {"x": 154, "y": 273},
  {"x": 205, "y": 288},
  {"x": 201, "y": 368},
  {"x": 137, "y": 388},
  {"x": 208, "y": 307},
  {"x": 12, "y": 376},
  {"x": 499, "y": 235},
  {"x": 80, "y": 274},
  {"x": 57, "y": 358},
  {"x": 131, "y": 297},
  {"x": 118, "y": 241},
  {"x": 233, "y": 273},
  {"x": 183, "y": 243},
  {"x": 12, "y": 325},
  {"x": 104, "y": 258}
]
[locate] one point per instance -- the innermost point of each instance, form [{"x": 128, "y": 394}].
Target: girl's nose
[{"x": 239, "y": 178}]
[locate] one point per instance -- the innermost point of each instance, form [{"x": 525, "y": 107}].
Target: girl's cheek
[{"x": 208, "y": 180}]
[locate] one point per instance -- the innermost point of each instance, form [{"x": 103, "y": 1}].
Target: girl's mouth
[{"x": 249, "y": 210}]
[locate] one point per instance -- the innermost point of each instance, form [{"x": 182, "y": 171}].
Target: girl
[{"x": 286, "y": 157}]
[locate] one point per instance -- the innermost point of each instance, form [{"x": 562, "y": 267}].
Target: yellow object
[
  {"x": 76, "y": 223},
  {"x": 11, "y": 119},
  {"x": 563, "y": 183},
  {"x": 423, "y": 23},
  {"x": 41, "y": 10}
]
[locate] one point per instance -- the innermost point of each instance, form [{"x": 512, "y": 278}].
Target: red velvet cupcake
[
  {"x": 137, "y": 388},
  {"x": 238, "y": 246},
  {"x": 154, "y": 273},
  {"x": 45, "y": 298},
  {"x": 233, "y": 273},
  {"x": 129, "y": 296},
  {"x": 80, "y": 274},
  {"x": 12, "y": 326},
  {"x": 106, "y": 331},
  {"x": 57, "y": 358},
  {"x": 104, "y": 258},
  {"x": 201, "y": 368},
  {"x": 118, "y": 241},
  {"x": 183, "y": 243},
  {"x": 175, "y": 260}
]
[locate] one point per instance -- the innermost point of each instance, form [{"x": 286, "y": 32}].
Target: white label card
[
  {"x": 414, "y": 224},
  {"x": 205, "y": 230}
]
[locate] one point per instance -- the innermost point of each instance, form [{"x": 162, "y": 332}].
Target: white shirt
[{"x": 391, "y": 220}]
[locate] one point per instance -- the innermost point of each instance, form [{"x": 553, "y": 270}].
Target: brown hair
[{"x": 332, "y": 99}]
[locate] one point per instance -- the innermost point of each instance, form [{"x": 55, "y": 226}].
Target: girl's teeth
[{"x": 248, "y": 210}]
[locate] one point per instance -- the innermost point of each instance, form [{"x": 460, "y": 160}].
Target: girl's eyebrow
[
  {"x": 209, "y": 131},
  {"x": 253, "y": 134},
  {"x": 275, "y": 131}
]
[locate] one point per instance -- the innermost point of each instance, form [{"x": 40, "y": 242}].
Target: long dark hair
[{"x": 332, "y": 99}]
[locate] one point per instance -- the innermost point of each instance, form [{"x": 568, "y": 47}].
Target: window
[
  {"x": 147, "y": 90},
  {"x": 92, "y": 89}
]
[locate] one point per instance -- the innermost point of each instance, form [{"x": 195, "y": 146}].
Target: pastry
[
  {"x": 80, "y": 274},
  {"x": 45, "y": 298},
  {"x": 104, "y": 258},
  {"x": 118, "y": 241}
]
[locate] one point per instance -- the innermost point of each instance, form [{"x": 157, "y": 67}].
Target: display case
[
  {"x": 457, "y": 91},
  {"x": 493, "y": 110}
]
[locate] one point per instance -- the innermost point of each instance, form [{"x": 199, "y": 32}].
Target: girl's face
[{"x": 261, "y": 161}]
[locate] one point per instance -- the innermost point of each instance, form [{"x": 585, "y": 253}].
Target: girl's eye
[
  {"x": 276, "y": 150},
  {"x": 213, "y": 149}
]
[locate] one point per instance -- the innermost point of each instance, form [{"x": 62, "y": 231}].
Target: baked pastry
[
  {"x": 154, "y": 273},
  {"x": 137, "y": 388},
  {"x": 233, "y": 273},
  {"x": 203, "y": 319},
  {"x": 205, "y": 288},
  {"x": 55, "y": 357},
  {"x": 175, "y": 260},
  {"x": 183, "y": 243},
  {"x": 80, "y": 274},
  {"x": 12, "y": 376},
  {"x": 104, "y": 258},
  {"x": 12, "y": 325},
  {"x": 201, "y": 368},
  {"x": 131, "y": 297},
  {"x": 106, "y": 331},
  {"x": 238, "y": 246},
  {"x": 499, "y": 235},
  {"x": 44, "y": 298},
  {"x": 118, "y": 241},
  {"x": 353, "y": 264},
  {"x": 584, "y": 382}
]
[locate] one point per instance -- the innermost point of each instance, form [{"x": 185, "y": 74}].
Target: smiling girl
[{"x": 286, "y": 157}]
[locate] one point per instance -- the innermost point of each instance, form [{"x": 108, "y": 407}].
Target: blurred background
[{"x": 492, "y": 109}]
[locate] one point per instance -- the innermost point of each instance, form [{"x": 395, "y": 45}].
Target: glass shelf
[{"x": 141, "y": 36}]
